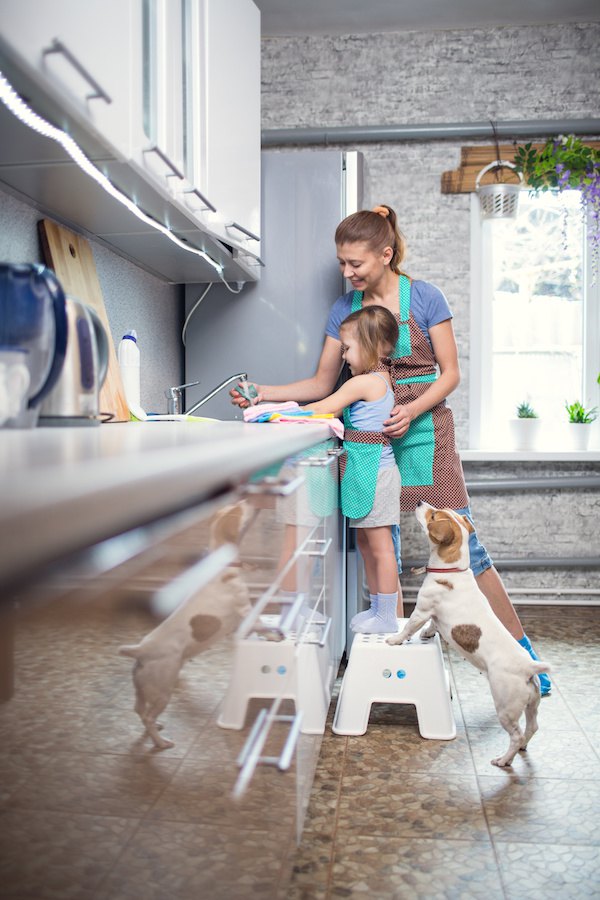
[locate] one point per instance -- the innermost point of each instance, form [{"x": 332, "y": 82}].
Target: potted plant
[
  {"x": 579, "y": 418},
  {"x": 525, "y": 427},
  {"x": 561, "y": 164}
]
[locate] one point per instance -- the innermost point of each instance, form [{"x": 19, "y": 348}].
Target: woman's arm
[
  {"x": 361, "y": 387},
  {"x": 446, "y": 355},
  {"x": 319, "y": 385}
]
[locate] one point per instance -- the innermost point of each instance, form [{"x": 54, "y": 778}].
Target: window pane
[{"x": 537, "y": 306}]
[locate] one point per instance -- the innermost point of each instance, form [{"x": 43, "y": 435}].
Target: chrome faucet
[{"x": 174, "y": 394}]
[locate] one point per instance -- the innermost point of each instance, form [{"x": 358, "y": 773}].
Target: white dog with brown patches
[
  {"x": 195, "y": 625},
  {"x": 450, "y": 599}
]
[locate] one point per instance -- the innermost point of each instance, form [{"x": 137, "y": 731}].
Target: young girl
[{"x": 370, "y": 486}]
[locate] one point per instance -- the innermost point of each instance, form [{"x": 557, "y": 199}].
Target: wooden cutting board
[{"x": 70, "y": 256}]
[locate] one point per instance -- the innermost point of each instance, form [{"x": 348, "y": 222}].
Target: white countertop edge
[{"x": 50, "y": 512}]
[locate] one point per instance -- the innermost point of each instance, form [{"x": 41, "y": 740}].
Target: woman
[{"x": 370, "y": 250}]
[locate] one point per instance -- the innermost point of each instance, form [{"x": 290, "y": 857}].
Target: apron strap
[{"x": 366, "y": 437}]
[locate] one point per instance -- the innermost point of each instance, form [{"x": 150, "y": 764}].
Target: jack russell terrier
[
  {"x": 212, "y": 613},
  {"x": 450, "y": 599}
]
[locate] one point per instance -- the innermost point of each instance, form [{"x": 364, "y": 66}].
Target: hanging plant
[{"x": 562, "y": 163}]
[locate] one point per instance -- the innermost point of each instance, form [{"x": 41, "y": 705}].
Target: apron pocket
[{"x": 414, "y": 452}]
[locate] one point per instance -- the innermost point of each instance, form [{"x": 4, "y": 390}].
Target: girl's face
[
  {"x": 363, "y": 267},
  {"x": 351, "y": 350}
]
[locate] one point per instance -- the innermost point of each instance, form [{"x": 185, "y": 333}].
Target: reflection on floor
[
  {"x": 88, "y": 812},
  {"x": 394, "y": 816}
]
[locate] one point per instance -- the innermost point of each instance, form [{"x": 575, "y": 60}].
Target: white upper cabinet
[
  {"x": 227, "y": 146},
  {"x": 161, "y": 93},
  {"x": 81, "y": 53},
  {"x": 198, "y": 129},
  {"x": 168, "y": 88}
]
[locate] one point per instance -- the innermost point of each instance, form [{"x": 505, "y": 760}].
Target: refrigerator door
[{"x": 273, "y": 329}]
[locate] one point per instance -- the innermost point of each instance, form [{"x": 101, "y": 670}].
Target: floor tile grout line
[
  {"x": 329, "y": 886},
  {"x": 478, "y": 782},
  {"x": 141, "y": 821}
]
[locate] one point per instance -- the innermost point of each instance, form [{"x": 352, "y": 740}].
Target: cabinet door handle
[
  {"x": 287, "y": 619},
  {"x": 324, "y": 635},
  {"x": 274, "y": 488},
  {"x": 250, "y": 234},
  {"x": 322, "y": 461},
  {"x": 168, "y": 162},
  {"x": 207, "y": 203},
  {"x": 58, "y": 47},
  {"x": 184, "y": 586},
  {"x": 322, "y": 552},
  {"x": 250, "y": 756}
]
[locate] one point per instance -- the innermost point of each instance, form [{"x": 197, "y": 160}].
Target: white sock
[
  {"x": 366, "y": 613},
  {"x": 385, "y": 621}
]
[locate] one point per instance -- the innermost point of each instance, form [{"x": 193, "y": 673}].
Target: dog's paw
[
  {"x": 501, "y": 762},
  {"x": 427, "y": 634},
  {"x": 394, "y": 639},
  {"x": 163, "y": 744}
]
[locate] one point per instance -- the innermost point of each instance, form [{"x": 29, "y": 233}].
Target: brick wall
[{"x": 474, "y": 75}]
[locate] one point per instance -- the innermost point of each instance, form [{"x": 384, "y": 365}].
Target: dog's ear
[
  {"x": 226, "y": 524},
  {"x": 441, "y": 531}
]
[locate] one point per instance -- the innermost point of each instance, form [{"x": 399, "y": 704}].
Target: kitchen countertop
[{"x": 64, "y": 489}]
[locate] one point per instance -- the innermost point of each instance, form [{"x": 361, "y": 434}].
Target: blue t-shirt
[{"x": 428, "y": 306}]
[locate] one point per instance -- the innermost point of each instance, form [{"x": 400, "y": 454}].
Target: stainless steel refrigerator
[{"x": 274, "y": 328}]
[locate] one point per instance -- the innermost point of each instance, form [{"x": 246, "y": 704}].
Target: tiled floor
[
  {"x": 394, "y": 816},
  {"x": 89, "y": 812}
]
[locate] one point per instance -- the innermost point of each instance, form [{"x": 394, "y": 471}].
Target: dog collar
[{"x": 428, "y": 569}]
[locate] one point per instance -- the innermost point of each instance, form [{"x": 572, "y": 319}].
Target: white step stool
[
  {"x": 301, "y": 672},
  {"x": 378, "y": 672}
]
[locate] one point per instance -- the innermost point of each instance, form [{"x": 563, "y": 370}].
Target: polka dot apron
[
  {"x": 359, "y": 466},
  {"x": 430, "y": 467}
]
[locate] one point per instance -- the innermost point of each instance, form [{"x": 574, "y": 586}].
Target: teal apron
[{"x": 359, "y": 467}]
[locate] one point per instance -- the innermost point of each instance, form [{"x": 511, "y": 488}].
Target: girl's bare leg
[{"x": 377, "y": 551}]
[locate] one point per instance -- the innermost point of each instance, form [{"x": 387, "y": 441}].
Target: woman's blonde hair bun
[{"x": 381, "y": 211}]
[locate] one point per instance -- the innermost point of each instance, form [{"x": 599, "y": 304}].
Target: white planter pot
[
  {"x": 579, "y": 434},
  {"x": 525, "y": 433}
]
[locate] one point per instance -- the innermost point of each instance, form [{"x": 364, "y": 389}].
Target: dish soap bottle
[{"x": 129, "y": 364}]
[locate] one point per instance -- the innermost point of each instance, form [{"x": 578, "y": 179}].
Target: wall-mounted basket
[{"x": 498, "y": 200}]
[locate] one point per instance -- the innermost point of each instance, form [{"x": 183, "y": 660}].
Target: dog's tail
[
  {"x": 130, "y": 650},
  {"x": 537, "y": 666}
]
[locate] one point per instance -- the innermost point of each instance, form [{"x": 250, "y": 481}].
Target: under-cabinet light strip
[{"x": 25, "y": 114}]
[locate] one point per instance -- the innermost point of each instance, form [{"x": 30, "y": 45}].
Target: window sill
[{"x": 490, "y": 455}]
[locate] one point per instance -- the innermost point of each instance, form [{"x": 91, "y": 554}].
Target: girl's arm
[
  {"x": 319, "y": 385},
  {"x": 361, "y": 387},
  {"x": 446, "y": 355}
]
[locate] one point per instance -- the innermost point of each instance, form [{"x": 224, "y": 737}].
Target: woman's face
[
  {"x": 362, "y": 266},
  {"x": 351, "y": 350}
]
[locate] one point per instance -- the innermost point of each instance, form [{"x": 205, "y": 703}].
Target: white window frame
[{"x": 481, "y": 334}]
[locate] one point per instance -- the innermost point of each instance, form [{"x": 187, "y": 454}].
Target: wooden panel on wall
[{"x": 473, "y": 160}]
